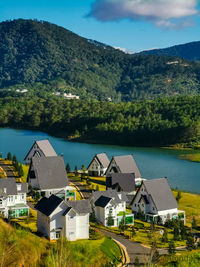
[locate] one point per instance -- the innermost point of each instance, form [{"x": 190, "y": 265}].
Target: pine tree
[
  {"x": 68, "y": 168},
  {"x": 171, "y": 248},
  {"x": 179, "y": 196},
  {"x": 194, "y": 223},
  {"x": 14, "y": 158},
  {"x": 20, "y": 170},
  {"x": 165, "y": 236},
  {"x": 9, "y": 156}
]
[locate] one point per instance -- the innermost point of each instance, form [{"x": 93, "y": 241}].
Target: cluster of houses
[{"x": 58, "y": 211}]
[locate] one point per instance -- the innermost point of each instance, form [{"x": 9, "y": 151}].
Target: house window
[
  {"x": 135, "y": 205},
  {"x": 58, "y": 235},
  {"x": 15, "y": 197},
  {"x": 153, "y": 208},
  {"x": 142, "y": 205},
  {"x": 22, "y": 196},
  {"x": 1, "y": 201}
]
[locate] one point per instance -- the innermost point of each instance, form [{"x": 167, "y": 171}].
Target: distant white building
[
  {"x": 98, "y": 165},
  {"x": 41, "y": 148},
  {"x": 56, "y": 218},
  {"x": 22, "y": 91},
  {"x": 156, "y": 202},
  {"x": 13, "y": 198},
  {"x": 110, "y": 204},
  {"x": 70, "y": 96},
  {"x": 48, "y": 176}
]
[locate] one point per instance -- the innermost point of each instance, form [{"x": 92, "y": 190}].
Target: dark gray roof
[
  {"x": 46, "y": 148},
  {"x": 11, "y": 186},
  {"x": 111, "y": 194},
  {"x": 161, "y": 194},
  {"x": 103, "y": 159},
  {"x": 126, "y": 181},
  {"x": 127, "y": 164},
  {"x": 102, "y": 201},
  {"x": 50, "y": 172},
  {"x": 80, "y": 206},
  {"x": 48, "y": 205}
]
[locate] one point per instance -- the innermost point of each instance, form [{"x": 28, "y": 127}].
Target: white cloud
[
  {"x": 163, "y": 13},
  {"x": 124, "y": 50}
]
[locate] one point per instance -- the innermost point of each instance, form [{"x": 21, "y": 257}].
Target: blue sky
[{"x": 131, "y": 24}]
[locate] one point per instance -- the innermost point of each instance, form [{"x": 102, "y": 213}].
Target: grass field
[
  {"x": 191, "y": 157},
  {"x": 190, "y": 203}
]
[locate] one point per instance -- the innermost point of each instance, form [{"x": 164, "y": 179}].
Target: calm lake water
[{"x": 153, "y": 162}]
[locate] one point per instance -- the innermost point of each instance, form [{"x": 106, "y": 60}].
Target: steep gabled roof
[
  {"x": 102, "y": 159},
  {"x": 45, "y": 147},
  {"x": 80, "y": 206},
  {"x": 111, "y": 194},
  {"x": 102, "y": 201},
  {"x": 50, "y": 172},
  {"x": 161, "y": 194},
  {"x": 48, "y": 205},
  {"x": 126, "y": 181},
  {"x": 127, "y": 164}
]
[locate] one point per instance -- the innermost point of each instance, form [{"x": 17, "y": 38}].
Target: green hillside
[
  {"x": 45, "y": 58},
  {"x": 189, "y": 51}
]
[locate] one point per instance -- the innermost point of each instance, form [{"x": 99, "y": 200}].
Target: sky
[{"x": 132, "y": 25}]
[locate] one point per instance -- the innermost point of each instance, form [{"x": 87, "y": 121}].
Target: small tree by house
[
  {"x": 122, "y": 224},
  {"x": 110, "y": 220},
  {"x": 14, "y": 158},
  {"x": 68, "y": 168},
  {"x": 76, "y": 170},
  {"x": 20, "y": 170},
  {"x": 137, "y": 262},
  {"x": 83, "y": 168},
  {"x": 194, "y": 223},
  {"x": 9, "y": 156},
  {"x": 179, "y": 196},
  {"x": 171, "y": 248},
  {"x": 176, "y": 233},
  {"x": 92, "y": 215},
  {"x": 165, "y": 236},
  {"x": 190, "y": 245}
]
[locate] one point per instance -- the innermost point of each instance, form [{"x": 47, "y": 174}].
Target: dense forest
[
  {"x": 158, "y": 122},
  {"x": 189, "y": 51},
  {"x": 44, "y": 58}
]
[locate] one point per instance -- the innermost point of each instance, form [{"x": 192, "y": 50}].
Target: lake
[{"x": 152, "y": 162}]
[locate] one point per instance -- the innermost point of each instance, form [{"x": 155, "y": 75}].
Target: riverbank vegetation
[{"x": 160, "y": 122}]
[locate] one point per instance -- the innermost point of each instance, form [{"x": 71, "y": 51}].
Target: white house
[
  {"x": 156, "y": 202},
  {"x": 107, "y": 204},
  {"x": 48, "y": 176},
  {"x": 41, "y": 148},
  {"x": 13, "y": 198},
  {"x": 98, "y": 165},
  {"x": 56, "y": 217}
]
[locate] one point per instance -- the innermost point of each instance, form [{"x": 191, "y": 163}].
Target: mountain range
[
  {"x": 188, "y": 51},
  {"x": 46, "y": 58}
]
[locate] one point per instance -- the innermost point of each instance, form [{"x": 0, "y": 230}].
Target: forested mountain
[
  {"x": 45, "y": 58},
  {"x": 189, "y": 51}
]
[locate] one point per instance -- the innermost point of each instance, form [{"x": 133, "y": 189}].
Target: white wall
[{"x": 43, "y": 224}]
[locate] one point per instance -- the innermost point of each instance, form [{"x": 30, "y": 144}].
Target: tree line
[{"x": 143, "y": 123}]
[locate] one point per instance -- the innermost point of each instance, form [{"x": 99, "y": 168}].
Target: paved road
[
  {"x": 82, "y": 188},
  {"x": 7, "y": 169},
  {"x": 134, "y": 249}
]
